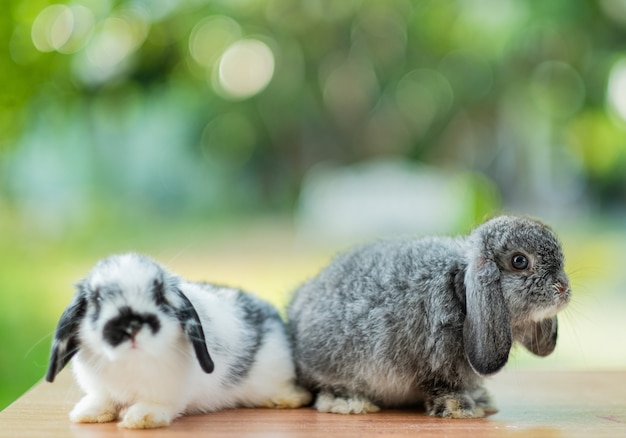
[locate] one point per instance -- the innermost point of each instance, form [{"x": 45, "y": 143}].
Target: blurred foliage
[
  {"x": 111, "y": 90},
  {"x": 121, "y": 118}
]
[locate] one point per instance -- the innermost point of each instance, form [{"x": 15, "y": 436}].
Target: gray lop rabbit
[{"x": 395, "y": 323}]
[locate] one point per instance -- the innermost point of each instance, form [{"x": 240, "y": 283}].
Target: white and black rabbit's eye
[
  {"x": 97, "y": 297},
  {"x": 520, "y": 262}
]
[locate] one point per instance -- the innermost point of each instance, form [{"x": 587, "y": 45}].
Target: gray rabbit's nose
[{"x": 562, "y": 287}]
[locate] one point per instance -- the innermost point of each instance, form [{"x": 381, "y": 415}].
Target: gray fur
[
  {"x": 259, "y": 318},
  {"x": 397, "y": 322}
]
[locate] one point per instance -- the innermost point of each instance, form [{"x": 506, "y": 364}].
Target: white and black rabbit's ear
[
  {"x": 487, "y": 333},
  {"x": 65, "y": 343},
  {"x": 540, "y": 337},
  {"x": 190, "y": 322}
]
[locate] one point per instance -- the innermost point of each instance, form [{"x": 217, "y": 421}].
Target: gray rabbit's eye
[{"x": 519, "y": 262}]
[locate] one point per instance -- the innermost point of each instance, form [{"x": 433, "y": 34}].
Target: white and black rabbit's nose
[{"x": 127, "y": 324}]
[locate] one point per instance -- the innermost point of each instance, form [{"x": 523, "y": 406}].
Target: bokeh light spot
[
  {"x": 210, "y": 37},
  {"x": 113, "y": 42},
  {"x": 52, "y": 28},
  {"x": 614, "y": 10},
  {"x": 617, "y": 89},
  {"x": 83, "y": 26},
  {"x": 245, "y": 69}
]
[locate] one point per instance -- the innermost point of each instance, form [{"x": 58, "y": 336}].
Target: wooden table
[{"x": 533, "y": 404}]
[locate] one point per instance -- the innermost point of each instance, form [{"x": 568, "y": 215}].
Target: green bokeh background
[{"x": 121, "y": 129}]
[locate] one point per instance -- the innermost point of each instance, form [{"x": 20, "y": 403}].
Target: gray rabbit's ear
[
  {"x": 487, "y": 333},
  {"x": 190, "y": 322},
  {"x": 66, "y": 343},
  {"x": 540, "y": 337}
]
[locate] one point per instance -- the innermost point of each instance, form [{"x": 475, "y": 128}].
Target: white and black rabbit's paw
[
  {"x": 292, "y": 397},
  {"x": 92, "y": 409},
  {"x": 352, "y": 404},
  {"x": 454, "y": 405},
  {"x": 146, "y": 416}
]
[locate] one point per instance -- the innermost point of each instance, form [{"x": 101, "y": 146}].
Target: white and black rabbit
[
  {"x": 149, "y": 346},
  {"x": 395, "y": 323}
]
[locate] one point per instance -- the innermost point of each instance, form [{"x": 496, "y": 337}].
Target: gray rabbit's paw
[
  {"x": 455, "y": 405},
  {"x": 327, "y": 402},
  {"x": 483, "y": 400}
]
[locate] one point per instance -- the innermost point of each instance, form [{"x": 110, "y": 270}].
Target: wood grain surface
[{"x": 533, "y": 404}]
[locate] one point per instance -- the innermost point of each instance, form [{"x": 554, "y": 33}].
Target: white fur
[
  {"x": 326, "y": 402},
  {"x": 159, "y": 378},
  {"x": 541, "y": 314}
]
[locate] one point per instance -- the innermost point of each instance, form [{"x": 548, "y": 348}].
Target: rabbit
[
  {"x": 400, "y": 322},
  {"x": 149, "y": 347}
]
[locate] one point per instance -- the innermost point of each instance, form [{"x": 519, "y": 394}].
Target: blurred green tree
[{"x": 264, "y": 89}]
